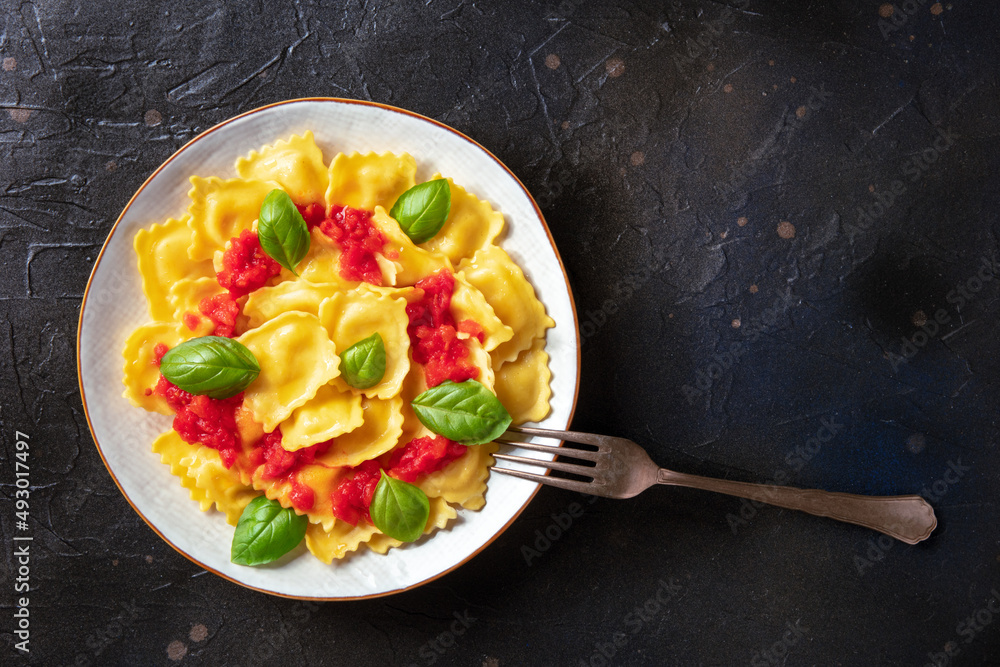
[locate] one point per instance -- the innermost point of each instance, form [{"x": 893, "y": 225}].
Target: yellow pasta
[
  {"x": 472, "y": 225},
  {"x": 468, "y": 303},
  {"x": 141, "y": 372},
  {"x": 481, "y": 359},
  {"x": 331, "y": 412},
  {"x": 413, "y": 386},
  {"x": 221, "y": 486},
  {"x": 303, "y": 437},
  {"x": 296, "y": 165},
  {"x": 409, "y": 262},
  {"x": 369, "y": 180},
  {"x": 522, "y": 385},
  {"x": 296, "y": 358},
  {"x": 320, "y": 265},
  {"x": 354, "y": 316},
  {"x": 163, "y": 261},
  {"x": 303, "y": 296},
  {"x": 379, "y": 433},
  {"x": 174, "y": 452},
  {"x": 512, "y": 297},
  {"x": 187, "y": 293},
  {"x": 463, "y": 481},
  {"x": 220, "y": 210},
  {"x": 337, "y": 542}
]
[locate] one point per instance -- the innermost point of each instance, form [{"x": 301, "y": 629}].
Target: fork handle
[{"x": 907, "y": 518}]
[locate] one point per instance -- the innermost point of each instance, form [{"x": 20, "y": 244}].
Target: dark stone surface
[{"x": 645, "y": 149}]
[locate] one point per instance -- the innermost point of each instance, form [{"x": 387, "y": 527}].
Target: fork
[{"x": 623, "y": 469}]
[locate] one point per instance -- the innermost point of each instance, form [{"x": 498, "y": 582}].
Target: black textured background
[{"x": 668, "y": 144}]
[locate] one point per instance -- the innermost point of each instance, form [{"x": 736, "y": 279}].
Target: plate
[{"x": 113, "y": 305}]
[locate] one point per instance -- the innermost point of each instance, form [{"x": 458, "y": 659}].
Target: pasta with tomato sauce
[{"x": 455, "y": 307}]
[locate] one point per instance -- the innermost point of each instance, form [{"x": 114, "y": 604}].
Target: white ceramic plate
[{"x": 114, "y": 305}]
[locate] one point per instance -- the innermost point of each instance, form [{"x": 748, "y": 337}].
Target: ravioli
[
  {"x": 353, "y": 316},
  {"x": 299, "y": 295},
  {"x": 221, "y": 209},
  {"x": 296, "y": 165},
  {"x": 221, "y": 486},
  {"x": 186, "y": 294},
  {"x": 162, "y": 252},
  {"x": 296, "y": 358},
  {"x": 369, "y": 180},
  {"x": 299, "y": 432},
  {"x": 502, "y": 283},
  {"x": 141, "y": 371},
  {"x": 379, "y": 432},
  {"x": 404, "y": 262},
  {"x": 472, "y": 225},
  {"x": 522, "y": 385},
  {"x": 331, "y": 412},
  {"x": 468, "y": 303}
]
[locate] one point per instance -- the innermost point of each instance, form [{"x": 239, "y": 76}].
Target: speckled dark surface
[{"x": 678, "y": 135}]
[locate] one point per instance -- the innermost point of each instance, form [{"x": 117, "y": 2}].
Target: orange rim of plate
[{"x": 97, "y": 263}]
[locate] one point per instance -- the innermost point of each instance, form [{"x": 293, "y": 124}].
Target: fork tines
[{"x": 511, "y": 437}]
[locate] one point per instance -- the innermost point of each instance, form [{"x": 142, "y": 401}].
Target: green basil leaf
[
  {"x": 266, "y": 531},
  {"x": 422, "y": 210},
  {"x": 363, "y": 364},
  {"x": 466, "y": 412},
  {"x": 399, "y": 509},
  {"x": 212, "y": 366},
  {"x": 282, "y": 230}
]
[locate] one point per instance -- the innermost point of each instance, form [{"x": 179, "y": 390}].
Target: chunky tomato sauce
[
  {"x": 203, "y": 420},
  {"x": 303, "y": 498},
  {"x": 159, "y": 350},
  {"x": 278, "y": 463},
  {"x": 191, "y": 321},
  {"x": 434, "y": 340},
  {"x": 422, "y": 456},
  {"x": 222, "y": 309},
  {"x": 353, "y": 495},
  {"x": 358, "y": 239},
  {"x": 313, "y": 214},
  {"x": 246, "y": 266}
]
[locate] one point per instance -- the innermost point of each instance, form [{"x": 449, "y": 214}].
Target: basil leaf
[
  {"x": 212, "y": 366},
  {"x": 399, "y": 509},
  {"x": 266, "y": 531},
  {"x": 363, "y": 364},
  {"x": 422, "y": 210},
  {"x": 283, "y": 233},
  {"x": 466, "y": 412}
]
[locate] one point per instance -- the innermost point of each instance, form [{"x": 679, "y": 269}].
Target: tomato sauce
[
  {"x": 353, "y": 496},
  {"x": 280, "y": 464},
  {"x": 303, "y": 498},
  {"x": 246, "y": 267},
  {"x": 434, "y": 340},
  {"x": 203, "y": 420},
  {"x": 422, "y": 456},
  {"x": 358, "y": 239},
  {"x": 191, "y": 321},
  {"x": 222, "y": 309},
  {"x": 313, "y": 214},
  {"x": 159, "y": 350}
]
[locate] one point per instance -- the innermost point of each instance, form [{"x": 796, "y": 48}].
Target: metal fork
[{"x": 623, "y": 469}]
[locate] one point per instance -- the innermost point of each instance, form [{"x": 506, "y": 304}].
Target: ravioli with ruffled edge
[{"x": 454, "y": 307}]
